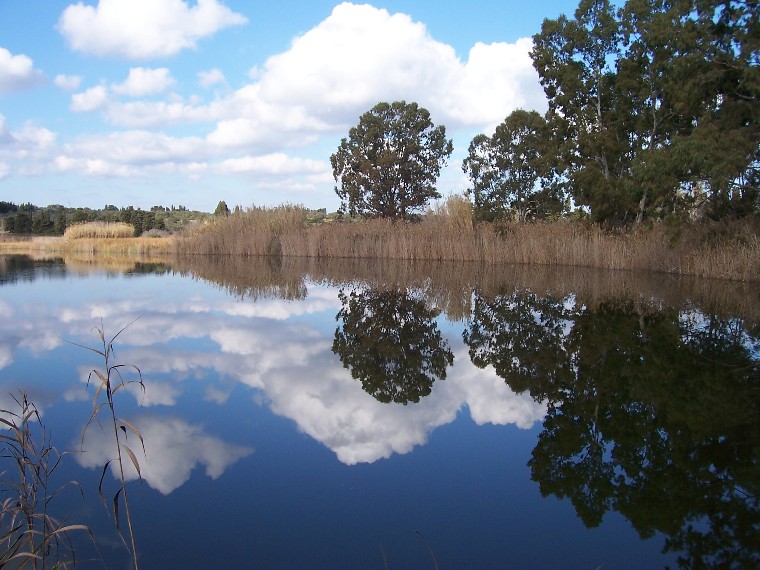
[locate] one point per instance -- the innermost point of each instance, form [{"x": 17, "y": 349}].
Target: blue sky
[{"x": 169, "y": 102}]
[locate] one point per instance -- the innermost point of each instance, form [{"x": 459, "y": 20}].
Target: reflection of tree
[
  {"x": 651, "y": 412},
  {"x": 391, "y": 343},
  {"x": 522, "y": 336}
]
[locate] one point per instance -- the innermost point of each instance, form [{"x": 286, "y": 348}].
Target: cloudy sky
[{"x": 148, "y": 102}]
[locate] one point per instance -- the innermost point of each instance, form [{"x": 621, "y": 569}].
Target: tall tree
[
  {"x": 508, "y": 170},
  {"x": 390, "y": 162},
  {"x": 575, "y": 62}
]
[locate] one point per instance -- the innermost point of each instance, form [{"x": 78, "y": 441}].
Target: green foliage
[
  {"x": 54, "y": 219},
  {"x": 389, "y": 164},
  {"x": 222, "y": 209},
  {"x": 653, "y": 101},
  {"x": 511, "y": 170}
]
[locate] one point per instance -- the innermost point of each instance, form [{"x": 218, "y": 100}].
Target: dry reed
[
  {"x": 96, "y": 230},
  {"x": 445, "y": 237}
]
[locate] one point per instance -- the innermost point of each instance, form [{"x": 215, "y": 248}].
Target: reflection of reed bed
[
  {"x": 699, "y": 252},
  {"x": 84, "y": 262},
  {"x": 249, "y": 278},
  {"x": 450, "y": 286}
]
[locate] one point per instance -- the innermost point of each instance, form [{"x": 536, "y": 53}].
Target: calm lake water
[{"x": 373, "y": 415}]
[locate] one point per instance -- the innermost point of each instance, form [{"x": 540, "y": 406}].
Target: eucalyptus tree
[
  {"x": 575, "y": 62},
  {"x": 509, "y": 170},
  {"x": 390, "y": 162}
]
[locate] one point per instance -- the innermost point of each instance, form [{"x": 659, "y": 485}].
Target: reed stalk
[
  {"x": 110, "y": 381},
  {"x": 29, "y": 535}
]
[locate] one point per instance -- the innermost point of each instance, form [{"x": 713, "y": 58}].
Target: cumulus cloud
[
  {"x": 143, "y": 29},
  {"x": 276, "y": 163},
  {"x": 319, "y": 86},
  {"x": 17, "y": 72},
  {"x": 145, "y": 81},
  {"x": 173, "y": 448},
  {"x": 90, "y": 100},
  {"x": 211, "y": 77},
  {"x": 67, "y": 82}
]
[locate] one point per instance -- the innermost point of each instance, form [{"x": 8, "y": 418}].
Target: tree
[
  {"x": 389, "y": 164},
  {"x": 222, "y": 209},
  {"x": 575, "y": 62},
  {"x": 508, "y": 169}
]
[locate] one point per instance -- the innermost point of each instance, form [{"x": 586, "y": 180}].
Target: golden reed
[{"x": 283, "y": 231}]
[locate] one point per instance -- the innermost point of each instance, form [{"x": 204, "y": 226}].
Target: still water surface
[{"x": 384, "y": 416}]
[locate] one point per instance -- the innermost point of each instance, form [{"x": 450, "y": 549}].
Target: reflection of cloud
[
  {"x": 490, "y": 400},
  {"x": 6, "y": 355},
  {"x": 279, "y": 348},
  {"x": 173, "y": 448},
  {"x": 155, "y": 393}
]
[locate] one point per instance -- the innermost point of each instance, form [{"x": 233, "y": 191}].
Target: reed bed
[
  {"x": 439, "y": 238},
  {"x": 102, "y": 230},
  {"x": 141, "y": 247}
]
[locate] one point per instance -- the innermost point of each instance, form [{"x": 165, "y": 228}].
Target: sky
[{"x": 170, "y": 102}]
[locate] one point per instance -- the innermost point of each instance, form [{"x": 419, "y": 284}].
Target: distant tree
[
  {"x": 222, "y": 209},
  {"x": 390, "y": 162},
  {"x": 41, "y": 222},
  {"x": 7, "y": 207},
  {"x": 59, "y": 223}
]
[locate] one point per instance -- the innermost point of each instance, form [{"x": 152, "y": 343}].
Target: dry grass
[
  {"x": 99, "y": 230},
  {"x": 142, "y": 247},
  {"x": 443, "y": 236}
]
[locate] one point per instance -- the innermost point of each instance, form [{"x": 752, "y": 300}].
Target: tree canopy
[
  {"x": 653, "y": 107},
  {"x": 510, "y": 171},
  {"x": 390, "y": 162}
]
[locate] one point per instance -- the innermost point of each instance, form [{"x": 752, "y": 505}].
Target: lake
[{"x": 298, "y": 414}]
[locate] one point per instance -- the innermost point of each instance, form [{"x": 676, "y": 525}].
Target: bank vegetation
[{"x": 726, "y": 250}]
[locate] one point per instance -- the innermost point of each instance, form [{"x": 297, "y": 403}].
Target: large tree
[
  {"x": 390, "y": 162},
  {"x": 509, "y": 170}
]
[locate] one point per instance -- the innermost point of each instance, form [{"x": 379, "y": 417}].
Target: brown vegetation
[
  {"x": 99, "y": 230},
  {"x": 731, "y": 253},
  {"x": 141, "y": 247}
]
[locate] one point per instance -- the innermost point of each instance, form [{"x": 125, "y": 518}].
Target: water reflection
[
  {"x": 390, "y": 342},
  {"x": 173, "y": 448},
  {"x": 652, "y": 411},
  {"x": 647, "y": 387}
]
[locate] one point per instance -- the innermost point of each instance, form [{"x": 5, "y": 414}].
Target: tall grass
[
  {"x": 99, "y": 230},
  {"x": 447, "y": 234},
  {"x": 29, "y": 535},
  {"x": 109, "y": 382}
]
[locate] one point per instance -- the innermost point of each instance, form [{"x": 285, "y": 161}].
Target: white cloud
[
  {"x": 173, "y": 447},
  {"x": 276, "y": 163},
  {"x": 67, "y": 82},
  {"x": 31, "y": 136},
  {"x": 143, "y": 29},
  {"x": 145, "y": 81},
  {"x": 17, "y": 72},
  {"x": 211, "y": 77},
  {"x": 90, "y": 100},
  {"x": 319, "y": 86}
]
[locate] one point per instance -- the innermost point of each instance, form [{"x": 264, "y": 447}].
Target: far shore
[{"x": 725, "y": 253}]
